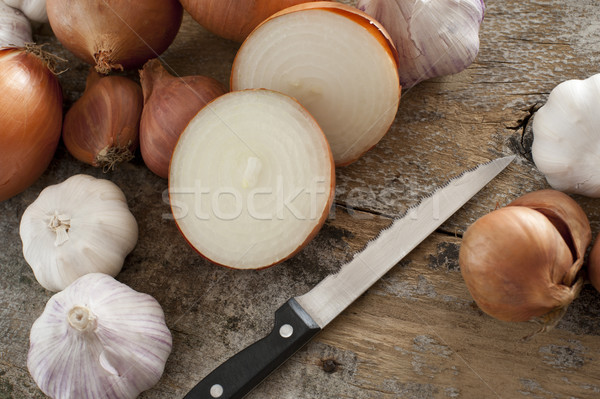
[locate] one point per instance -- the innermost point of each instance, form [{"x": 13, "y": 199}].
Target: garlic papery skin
[
  {"x": 433, "y": 38},
  {"x": 566, "y": 137},
  {"x": 98, "y": 339},
  {"x": 15, "y": 29},
  {"x": 35, "y": 10},
  {"x": 82, "y": 225}
]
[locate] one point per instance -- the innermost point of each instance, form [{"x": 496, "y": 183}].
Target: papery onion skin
[
  {"x": 115, "y": 34},
  {"x": 234, "y": 19},
  {"x": 31, "y": 118},
  {"x": 513, "y": 262},
  {"x": 567, "y": 217},
  {"x": 102, "y": 127},
  {"x": 522, "y": 261},
  {"x": 169, "y": 104}
]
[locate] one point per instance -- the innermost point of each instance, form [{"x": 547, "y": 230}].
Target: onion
[
  {"x": 251, "y": 180},
  {"x": 169, "y": 104},
  {"x": 594, "y": 264},
  {"x": 232, "y": 19},
  {"x": 337, "y": 61},
  {"x": 116, "y": 34},
  {"x": 30, "y": 115},
  {"x": 102, "y": 127},
  {"x": 522, "y": 261}
]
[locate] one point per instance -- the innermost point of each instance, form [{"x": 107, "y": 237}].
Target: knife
[{"x": 300, "y": 318}]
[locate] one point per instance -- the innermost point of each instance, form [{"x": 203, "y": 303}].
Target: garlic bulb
[
  {"x": 35, "y": 10},
  {"x": 433, "y": 38},
  {"x": 98, "y": 339},
  {"x": 80, "y": 226},
  {"x": 522, "y": 261},
  {"x": 566, "y": 137},
  {"x": 15, "y": 29}
]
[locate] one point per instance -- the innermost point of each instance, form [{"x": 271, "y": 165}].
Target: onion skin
[
  {"x": 594, "y": 265},
  {"x": 234, "y": 19},
  {"x": 567, "y": 217},
  {"x": 102, "y": 127},
  {"x": 169, "y": 104},
  {"x": 115, "y": 34},
  {"x": 518, "y": 265},
  {"x": 31, "y": 117}
]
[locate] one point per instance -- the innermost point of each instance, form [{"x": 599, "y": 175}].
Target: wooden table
[{"x": 414, "y": 334}]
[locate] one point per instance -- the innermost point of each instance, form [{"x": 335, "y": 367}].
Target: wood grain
[{"x": 416, "y": 333}]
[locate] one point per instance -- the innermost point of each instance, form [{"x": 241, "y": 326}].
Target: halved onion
[
  {"x": 336, "y": 61},
  {"x": 251, "y": 180}
]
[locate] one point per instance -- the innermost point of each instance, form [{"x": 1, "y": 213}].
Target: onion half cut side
[
  {"x": 251, "y": 179},
  {"x": 336, "y": 61}
]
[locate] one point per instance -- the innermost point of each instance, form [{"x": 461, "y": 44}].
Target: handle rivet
[
  {"x": 286, "y": 331},
  {"x": 216, "y": 391}
]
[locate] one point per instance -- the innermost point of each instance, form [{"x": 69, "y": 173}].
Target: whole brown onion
[
  {"x": 234, "y": 19},
  {"x": 30, "y": 115},
  {"x": 102, "y": 127},
  {"x": 115, "y": 34},
  {"x": 522, "y": 261}
]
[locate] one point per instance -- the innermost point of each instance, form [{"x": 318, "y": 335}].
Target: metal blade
[{"x": 332, "y": 295}]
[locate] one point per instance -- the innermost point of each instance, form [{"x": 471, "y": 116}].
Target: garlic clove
[
  {"x": 565, "y": 137},
  {"x": 15, "y": 29},
  {"x": 79, "y": 226},
  {"x": 433, "y": 38},
  {"x": 98, "y": 339},
  {"x": 34, "y": 10},
  {"x": 102, "y": 127}
]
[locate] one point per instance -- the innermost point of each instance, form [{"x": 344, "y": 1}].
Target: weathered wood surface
[{"x": 416, "y": 333}]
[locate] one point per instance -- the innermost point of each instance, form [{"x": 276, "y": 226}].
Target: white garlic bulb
[
  {"x": 566, "y": 137},
  {"x": 35, "y": 10},
  {"x": 80, "y": 226},
  {"x": 433, "y": 38},
  {"x": 15, "y": 29},
  {"x": 98, "y": 339}
]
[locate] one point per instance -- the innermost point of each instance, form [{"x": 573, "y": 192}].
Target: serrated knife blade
[{"x": 299, "y": 319}]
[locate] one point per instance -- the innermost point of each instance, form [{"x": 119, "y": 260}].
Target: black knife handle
[{"x": 245, "y": 370}]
